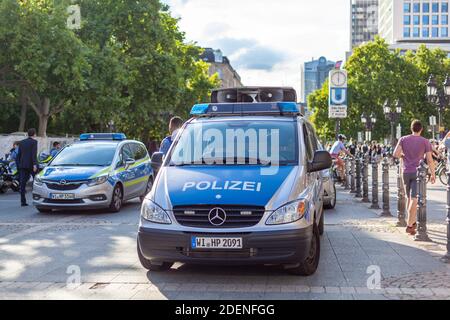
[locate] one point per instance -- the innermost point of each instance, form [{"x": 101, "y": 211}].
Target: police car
[
  {"x": 241, "y": 185},
  {"x": 99, "y": 171}
]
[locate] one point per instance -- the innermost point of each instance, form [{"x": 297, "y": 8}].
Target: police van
[
  {"x": 241, "y": 185},
  {"x": 99, "y": 171}
]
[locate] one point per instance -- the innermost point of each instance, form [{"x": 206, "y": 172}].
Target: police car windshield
[
  {"x": 237, "y": 142},
  {"x": 86, "y": 155}
]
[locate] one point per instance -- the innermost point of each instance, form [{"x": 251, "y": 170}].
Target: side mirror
[
  {"x": 322, "y": 161},
  {"x": 129, "y": 162},
  {"x": 157, "y": 161}
]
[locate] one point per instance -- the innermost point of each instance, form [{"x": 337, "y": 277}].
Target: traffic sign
[{"x": 338, "y": 94}]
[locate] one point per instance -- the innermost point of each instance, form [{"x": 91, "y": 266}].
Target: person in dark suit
[{"x": 26, "y": 162}]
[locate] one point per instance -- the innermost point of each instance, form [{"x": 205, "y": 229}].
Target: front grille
[
  {"x": 75, "y": 201},
  {"x": 237, "y": 216},
  {"x": 217, "y": 254},
  {"x": 63, "y": 187}
]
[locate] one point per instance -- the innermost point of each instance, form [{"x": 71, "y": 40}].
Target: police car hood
[
  {"x": 72, "y": 173},
  {"x": 221, "y": 185}
]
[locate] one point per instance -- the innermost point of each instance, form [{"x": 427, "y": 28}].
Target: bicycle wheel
[{"x": 443, "y": 176}]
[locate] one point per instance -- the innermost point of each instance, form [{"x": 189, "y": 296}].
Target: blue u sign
[{"x": 338, "y": 96}]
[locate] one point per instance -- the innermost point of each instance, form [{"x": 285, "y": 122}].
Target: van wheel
[
  {"x": 322, "y": 223},
  {"x": 310, "y": 264},
  {"x": 147, "y": 189},
  {"x": 147, "y": 264},
  {"x": 117, "y": 199}
]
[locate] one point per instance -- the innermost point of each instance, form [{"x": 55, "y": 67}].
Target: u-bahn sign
[{"x": 337, "y": 106}]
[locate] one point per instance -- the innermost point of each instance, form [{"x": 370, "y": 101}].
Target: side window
[
  {"x": 139, "y": 151},
  {"x": 125, "y": 153},
  {"x": 308, "y": 146}
]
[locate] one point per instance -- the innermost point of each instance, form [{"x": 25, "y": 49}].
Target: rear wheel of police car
[
  {"x": 310, "y": 264},
  {"x": 147, "y": 264},
  {"x": 147, "y": 189},
  {"x": 117, "y": 199}
]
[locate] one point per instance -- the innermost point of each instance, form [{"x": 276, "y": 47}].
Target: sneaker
[{"x": 411, "y": 230}]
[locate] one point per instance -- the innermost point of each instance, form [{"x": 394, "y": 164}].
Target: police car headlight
[
  {"x": 152, "y": 212},
  {"x": 97, "y": 181},
  {"x": 38, "y": 181},
  {"x": 289, "y": 213}
]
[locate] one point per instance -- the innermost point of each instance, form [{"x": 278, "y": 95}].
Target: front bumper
[
  {"x": 268, "y": 247},
  {"x": 85, "y": 197}
]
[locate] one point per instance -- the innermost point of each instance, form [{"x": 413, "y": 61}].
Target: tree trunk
[
  {"x": 23, "y": 113},
  {"x": 43, "y": 117}
]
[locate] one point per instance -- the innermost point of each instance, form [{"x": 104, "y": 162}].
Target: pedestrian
[
  {"x": 56, "y": 147},
  {"x": 411, "y": 150},
  {"x": 13, "y": 152},
  {"x": 174, "y": 126},
  {"x": 26, "y": 163}
]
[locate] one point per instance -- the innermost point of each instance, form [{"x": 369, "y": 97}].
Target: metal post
[
  {"x": 352, "y": 175},
  {"x": 401, "y": 198},
  {"x": 386, "y": 206},
  {"x": 358, "y": 178},
  {"x": 347, "y": 177},
  {"x": 422, "y": 172},
  {"x": 375, "y": 184},
  {"x": 366, "y": 178},
  {"x": 446, "y": 258}
]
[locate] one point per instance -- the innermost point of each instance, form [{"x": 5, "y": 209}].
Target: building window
[
  {"x": 435, "y": 7},
  {"x": 416, "y": 32},
  {"x": 416, "y": 7},
  {"x": 444, "y": 7},
  {"x": 435, "y": 32},
  {"x": 416, "y": 20},
  {"x": 435, "y": 19},
  {"x": 407, "y": 7},
  {"x": 426, "y": 7},
  {"x": 444, "y": 19},
  {"x": 406, "y": 32},
  {"x": 407, "y": 20},
  {"x": 426, "y": 32},
  {"x": 444, "y": 32},
  {"x": 426, "y": 19}
]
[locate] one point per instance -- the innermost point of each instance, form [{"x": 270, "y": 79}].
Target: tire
[
  {"x": 147, "y": 264},
  {"x": 321, "y": 225},
  {"x": 117, "y": 199},
  {"x": 443, "y": 177},
  {"x": 148, "y": 188},
  {"x": 309, "y": 265},
  {"x": 332, "y": 203},
  {"x": 42, "y": 210}
]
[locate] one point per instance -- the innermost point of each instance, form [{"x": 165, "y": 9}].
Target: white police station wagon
[
  {"x": 99, "y": 171},
  {"x": 241, "y": 185}
]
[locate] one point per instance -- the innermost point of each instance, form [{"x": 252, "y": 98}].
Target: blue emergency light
[
  {"x": 223, "y": 109},
  {"x": 102, "y": 136}
]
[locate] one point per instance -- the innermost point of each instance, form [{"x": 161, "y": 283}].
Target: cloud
[
  {"x": 260, "y": 58},
  {"x": 230, "y": 46}
]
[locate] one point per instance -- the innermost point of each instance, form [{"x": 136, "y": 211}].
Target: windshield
[
  {"x": 87, "y": 155},
  {"x": 237, "y": 142}
]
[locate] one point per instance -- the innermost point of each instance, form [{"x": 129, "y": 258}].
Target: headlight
[
  {"x": 97, "y": 181},
  {"x": 38, "y": 181},
  {"x": 289, "y": 213},
  {"x": 152, "y": 212}
]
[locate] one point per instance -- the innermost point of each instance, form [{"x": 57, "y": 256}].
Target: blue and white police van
[
  {"x": 99, "y": 171},
  {"x": 240, "y": 185}
]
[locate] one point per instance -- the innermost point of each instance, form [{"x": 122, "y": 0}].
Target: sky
[{"x": 268, "y": 40}]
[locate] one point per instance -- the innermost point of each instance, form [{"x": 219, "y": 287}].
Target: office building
[
  {"x": 220, "y": 64},
  {"x": 314, "y": 74},
  {"x": 364, "y": 21}
]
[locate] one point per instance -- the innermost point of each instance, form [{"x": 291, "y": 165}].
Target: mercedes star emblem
[{"x": 217, "y": 217}]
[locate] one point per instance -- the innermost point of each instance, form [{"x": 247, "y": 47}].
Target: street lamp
[
  {"x": 369, "y": 122},
  {"x": 439, "y": 96},
  {"x": 392, "y": 114}
]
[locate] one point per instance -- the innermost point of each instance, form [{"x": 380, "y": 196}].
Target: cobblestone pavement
[{"x": 40, "y": 254}]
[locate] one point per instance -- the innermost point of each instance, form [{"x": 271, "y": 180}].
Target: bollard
[
  {"x": 386, "y": 205},
  {"x": 347, "y": 175},
  {"x": 401, "y": 197},
  {"x": 446, "y": 258},
  {"x": 358, "y": 178},
  {"x": 422, "y": 172},
  {"x": 352, "y": 176},
  {"x": 366, "y": 161},
  {"x": 375, "y": 184}
]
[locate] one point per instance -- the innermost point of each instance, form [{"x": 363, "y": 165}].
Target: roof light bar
[
  {"x": 102, "y": 136},
  {"x": 221, "y": 109}
]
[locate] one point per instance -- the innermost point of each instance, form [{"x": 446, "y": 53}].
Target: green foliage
[{"x": 375, "y": 75}]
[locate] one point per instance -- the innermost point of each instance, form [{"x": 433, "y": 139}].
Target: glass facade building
[
  {"x": 315, "y": 73},
  {"x": 364, "y": 21}
]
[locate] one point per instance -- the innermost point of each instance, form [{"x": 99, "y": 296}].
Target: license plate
[
  {"x": 62, "y": 196},
  {"x": 216, "y": 243}
]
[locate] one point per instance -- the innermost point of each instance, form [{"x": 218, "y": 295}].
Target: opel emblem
[
  {"x": 217, "y": 217},
  {"x": 63, "y": 182}
]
